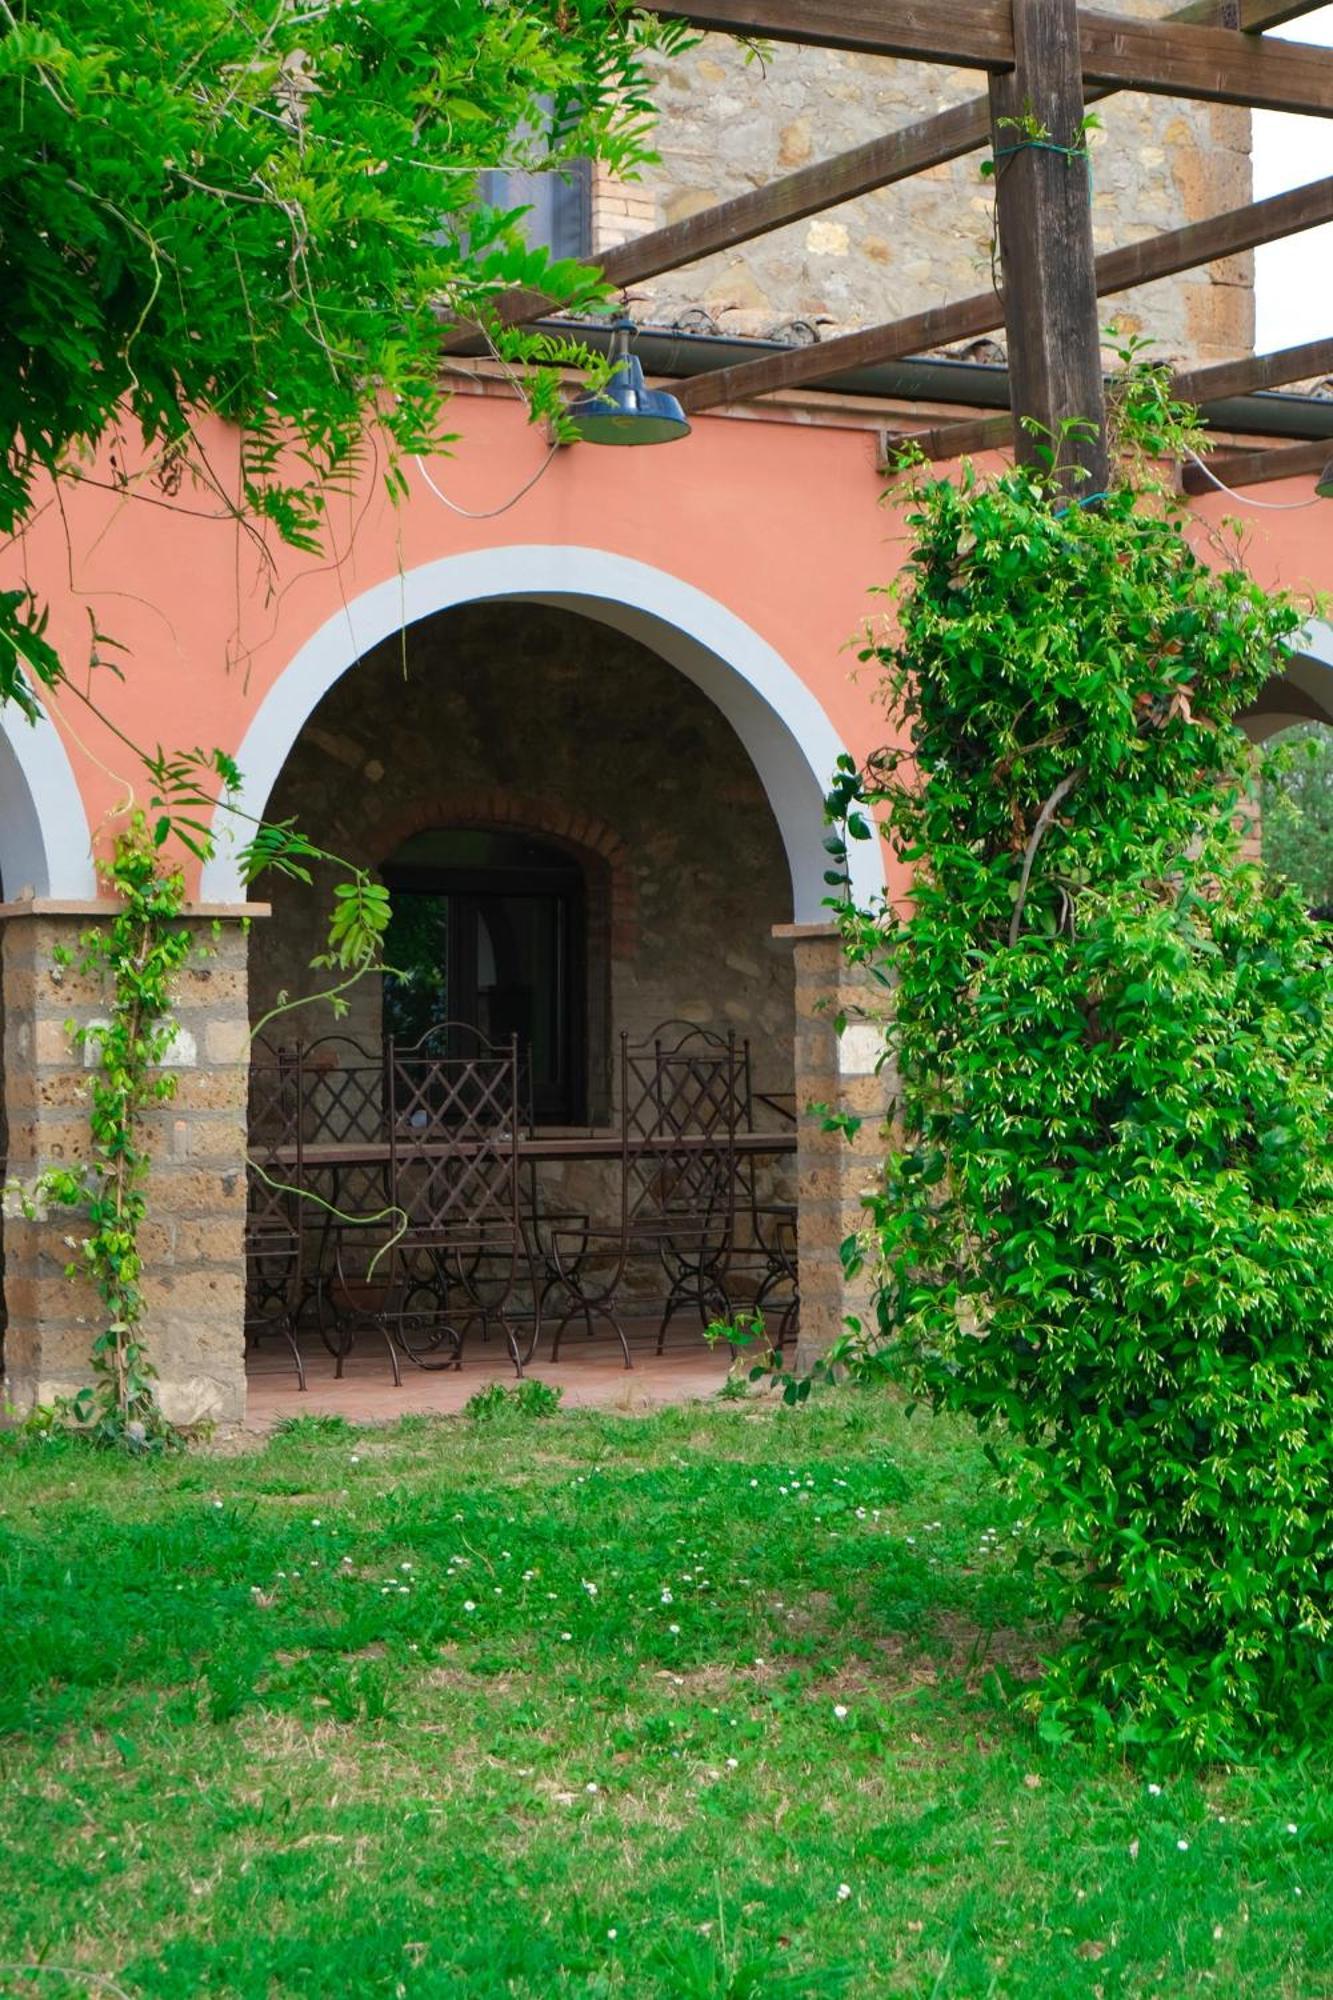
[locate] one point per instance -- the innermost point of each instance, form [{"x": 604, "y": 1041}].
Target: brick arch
[
  {"x": 610, "y": 904},
  {"x": 581, "y": 834}
]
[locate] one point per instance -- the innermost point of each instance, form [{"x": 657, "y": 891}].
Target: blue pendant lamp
[{"x": 626, "y": 411}]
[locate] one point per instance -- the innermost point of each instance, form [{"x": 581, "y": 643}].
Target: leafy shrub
[
  {"x": 1106, "y": 1228},
  {"x": 528, "y": 1398}
]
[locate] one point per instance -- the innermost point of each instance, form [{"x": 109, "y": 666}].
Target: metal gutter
[{"x": 930, "y": 379}]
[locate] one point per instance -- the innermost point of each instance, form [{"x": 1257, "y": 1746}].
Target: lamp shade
[{"x": 627, "y": 411}]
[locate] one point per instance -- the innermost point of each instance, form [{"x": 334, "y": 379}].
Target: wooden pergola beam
[
  {"x": 1168, "y": 58},
  {"x": 1225, "y": 235},
  {"x": 1258, "y": 468},
  {"x": 930, "y": 142},
  {"x": 1196, "y": 385}
]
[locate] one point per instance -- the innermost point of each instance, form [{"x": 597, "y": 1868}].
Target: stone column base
[
  {"x": 833, "y": 1171},
  {"x": 192, "y": 1242}
]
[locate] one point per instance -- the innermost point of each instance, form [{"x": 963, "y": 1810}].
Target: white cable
[
  {"x": 1269, "y": 506},
  {"x": 487, "y": 513}
]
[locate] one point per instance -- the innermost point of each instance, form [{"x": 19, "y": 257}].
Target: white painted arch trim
[
  {"x": 792, "y": 743},
  {"x": 1309, "y": 671},
  {"x": 45, "y": 845}
]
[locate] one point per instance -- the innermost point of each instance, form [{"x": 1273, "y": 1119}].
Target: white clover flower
[
  {"x": 1291, "y": 1828},
  {"x": 844, "y": 1891},
  {"x": 840, "y": 1710},
  {"x": 673, "y": 1628},
  {"x": 612, "y": 1933},
  {"x": 591, "y": 1588},
  {"x": 667, "y": 1598},
  {"x": 590, "y": 1787},
  {"x": 733, "y": 1763},
  {"x": 1183, "y": 1845},
  {"x": 566, "y": 1635},
  {"x": 468, "y": 1605},
  {"x": 1155, "y": 1791}
]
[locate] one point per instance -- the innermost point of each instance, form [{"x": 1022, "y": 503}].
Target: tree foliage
[
  {"x": 1297, "y": 798},
  {"x": 263, "y": 209},
  {"x": 1105, "y": 1230}
]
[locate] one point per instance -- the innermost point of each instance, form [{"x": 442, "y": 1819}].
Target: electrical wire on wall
[
  {"x": 1269, "y": 506},
  {"x": 487, "y": 513}
]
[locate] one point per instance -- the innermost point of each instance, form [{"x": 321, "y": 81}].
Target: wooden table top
[{"x": 536, "y": 1146}]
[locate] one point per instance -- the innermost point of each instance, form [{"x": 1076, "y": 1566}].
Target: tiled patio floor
[{"x": 591, "y": 1373}]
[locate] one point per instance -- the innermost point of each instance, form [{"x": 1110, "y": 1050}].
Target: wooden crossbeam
[
  {"x": 1258, "y": 468},
  {"x": 931, "y": 142},
  {"x": 1169, "y": 58},
  {"x": 1162, "y": 256},
  {"x": 1196, "y": 385}
]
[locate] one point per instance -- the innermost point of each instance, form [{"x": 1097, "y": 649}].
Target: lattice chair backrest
[
  {"x": 454, "y": 1130},
  {"x": 683, "y": 1099},
  {"x": 342, "y": 1091}
]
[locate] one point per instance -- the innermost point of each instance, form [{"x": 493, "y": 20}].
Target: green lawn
[{"x": 701, "y": 1704}]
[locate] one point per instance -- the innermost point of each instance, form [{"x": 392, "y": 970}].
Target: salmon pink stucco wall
[
  {"x": 755, "y": 540},
  {"x": 746, "y": 554}
]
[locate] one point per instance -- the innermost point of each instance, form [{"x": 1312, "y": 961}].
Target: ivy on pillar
[{"x": 192, "y": 1241}]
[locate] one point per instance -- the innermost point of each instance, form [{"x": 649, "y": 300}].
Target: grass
[{"x": 699, "y": 1705}]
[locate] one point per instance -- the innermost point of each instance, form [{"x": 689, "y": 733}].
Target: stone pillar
[
  {"x": 192, "y": 1240},
  {"x": 832, "y": 1170}
]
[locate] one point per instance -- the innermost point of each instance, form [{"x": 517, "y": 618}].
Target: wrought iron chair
[
  {"x": 274, "y": 1223},
  {"x": 680, "y": 1105},
  {"x": 454, "y": 1253},
  {"x": 340, "y": 1086},
  {"x": 764, "y": 1273}
]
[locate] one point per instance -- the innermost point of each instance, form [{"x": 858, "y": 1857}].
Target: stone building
[
  {"x": 729, "y": 124},
  {"x": 607, "y": 686}
]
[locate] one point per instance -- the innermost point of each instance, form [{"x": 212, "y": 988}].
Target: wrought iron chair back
[
  {"x": 342, "y": 1090},
  {"x": 453, "y": 1134},
  {"x": 684, "y": 1095}
]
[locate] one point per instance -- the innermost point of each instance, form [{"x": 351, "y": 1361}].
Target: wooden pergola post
[{"x": 1044, "y": 216}]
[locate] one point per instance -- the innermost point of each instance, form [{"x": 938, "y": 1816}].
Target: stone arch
[
  {"x": 583, "y": 834},
  {"x": 779, "y": 720}
]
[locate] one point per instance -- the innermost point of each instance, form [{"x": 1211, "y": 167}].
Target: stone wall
[
  {"x": 534, "y": 717},
  {"x": 192, "y": 1242},
  {"x": 728, "y": 126}
]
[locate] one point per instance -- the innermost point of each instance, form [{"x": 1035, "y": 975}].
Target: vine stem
[{"x": 1044, "y": 818}]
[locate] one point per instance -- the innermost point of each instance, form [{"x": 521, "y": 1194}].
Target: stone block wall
[
  {"x": 728, "y": 125},
  {"x": 193, "y": 1241},
  {"x": 834, "y": 1171}
]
